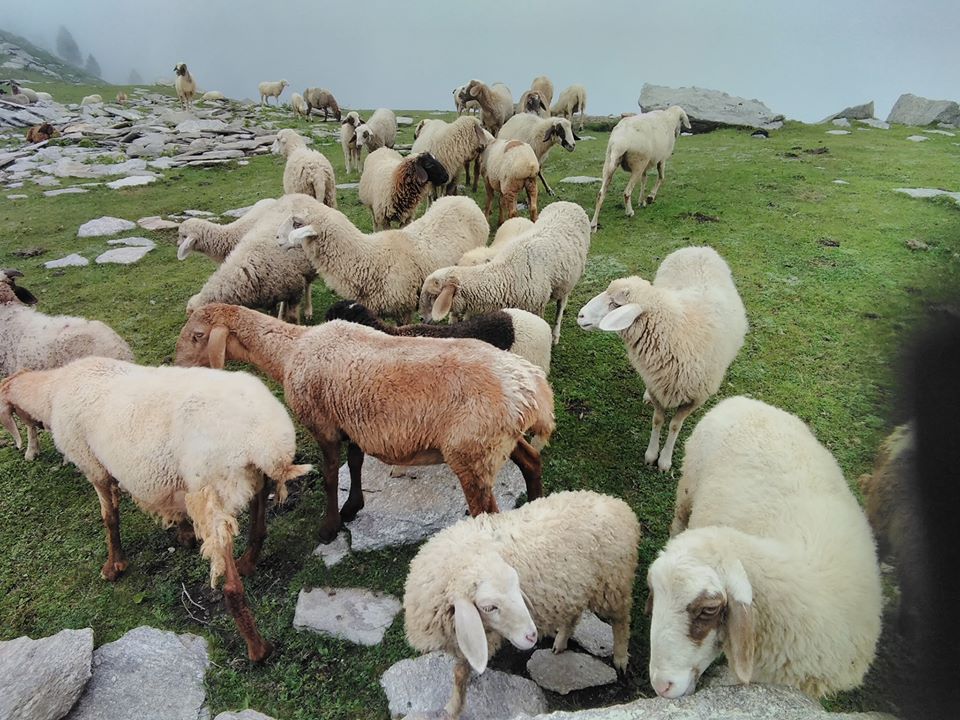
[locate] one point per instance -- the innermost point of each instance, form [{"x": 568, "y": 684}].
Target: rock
[
  {"x": 928, "y": 193},
  {"x": 841, "y": 122},
  {"x": 354, "y": 614},
  {"x": 64, "y": 191},
  {"x": 194, "y": 125},
  {"x": 104, "y": 226},
  {"x": 838, "y": 132},
  {"x": 42, "y": 679},
  {"x": 424, "y": 684},
  {"x": 46, "y": 181},
  {"x": 24, "y": 197},
  {"x": 132, "y": 181},
  {"x": 348, "y": 186},
  {"x": 710, "y": 109},
  {"x": 403, "y": 511},
  {"x": 122, "y": 256},
  {"x": 65, "y": 167},
  {"x": 580, "y": 180},
  {"x": 917, "y": 138},
  {"x": 155, "y": 222},
  {"x": 133, "y": 242},
  {"x": 840, "y": 182},
  {"x": 854, "y": 112},
  {"x": 915, "y": 244},
  {"x": 874, "y": 123},
  {"x": 915, "y": 110},
  {"x": 940, "y": 132},
  {"x": 403, "y": 120},
  {"x": 148, "y": 673},
  {"x": 243, "y": 715},
  {"x": 198, "y": 213},
  {"x": 238, "y": 212},
  {"x": 333, "y": 552},
  {"x": 568, "y": 671},
  {"x": 72, "y": 260},
  {"x": 594, "y": 635}
]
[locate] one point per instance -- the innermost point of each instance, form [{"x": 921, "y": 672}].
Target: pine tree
[
  {"x": 67, "y": 47},
  {"x": 92, "y": 66},
  {"x": 134, "y": 78}
]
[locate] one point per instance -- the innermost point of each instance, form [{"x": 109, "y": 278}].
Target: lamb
[
  {"x": 320, "y": 99},
  {"x": 404, "y": 400},
  {"x": 454, "y": 144},
  {"x": 771, "y": 561},
  {"x": 186, "y": 444},
  {"x": 496, "y": 103},
  {"x": 307, "y": 171},
  {"x": 682, "y": 332},
  {"x": 571, "y": 100},
  {"x": 299, "y": 105},
  {"x": 393, "y": 186},
  {"x": 348, "y": 141},
  {"x": 507, "y": 232},
  {"x": 541, "y": 265},
  {"x": 217, "y": 241},
  {"x": 380, "y": 130},
  {"x": 493, "y": 577},
  {"x": 213, "y": 95},
  {"x": 470, "y": 106},
  {"x": 121, "y": 98},
  {"x": 44, "y": 96},
  {"x": 42, "y": 132},
  {"x": 385, "y": 270},
  {"x": 637, "y": 143},
  {"x": 541, "y": 134},
  {"x": 510, "y": 166},
  {"x": 543, "y": 86},
  {"x": 271, "y": 90},
  {"x": 185, "y": 85},
  {"x": 517, "y": 331},
  {"x": 32, "y": 95},
  {"x": 537, "y": 99},
  {"x": 91, "y": 99}
]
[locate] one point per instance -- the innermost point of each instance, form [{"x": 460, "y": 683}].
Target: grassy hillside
[
  {"x": 831, "y": 289},
  {"x": 68, "y": 73}
]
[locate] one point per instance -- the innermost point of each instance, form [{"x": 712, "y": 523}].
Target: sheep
[
  {"x": 537, "y": 99},
  {"x": 508, "y": 167},
  {"x": 508, "y": 231},
  {"x": 541, "y": 134},
  {"x": 44, "y": 96},
  {"x": 271, "y": 90},
  {"x": 543, "y": 86},
  {"x": 121, "y": 98},
  {"x": 681, "y": 333},
  {"x": 393, "y": 186},
  {"x": 185, "y": 85},
  {"x": 217, "y": 241},
  {"x": 404, "y": 400},
  {"x": 32, "y": 95},
  {"x": 469, "y": 106},
  {"x": 348, "y": 141},
  {"x": 299, "y": 105},
  {"x": 385, "y": 270},
  {"x": 186, "y": 444},
  {"x": 320, "y": 99},
  {"x": 517, "y": 331},
  {"x": 496, "y": 103},
  {"x": 380, "y": 130},
  {"x": 770, "y": 560},
  {"x": 41, "y": 133},
  {"x": 454, "y": 144},
  {"x": 91, "y": 99},
  {"x": 571, "y": 100},
  {"x": 541, "y": 265},
  {"x": 520, "y": 576},
  {"x": 306, "y": 171},
  {"x": 213, "y": 95},
  {"x": 637, "y": 144}
]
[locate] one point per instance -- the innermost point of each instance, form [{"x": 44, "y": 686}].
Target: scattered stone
[
  {"x": 760, "y": 134},
  {"x": 198, "y": 213},
  {"x": 132, "y": 181},
  {"x": 586, "y": 137},
  {"x": 699, "y": 217},
  {"x": 941, "y": 132},
  {"x": 710, "y": 109},
  {"x": 917, "y": 138},
  {"x": 840, "y": 182},
  {"x": 854, "y": 112},
  {"x": 133, "y": 242},
  {"x": 333, "y": 552},
  {"x": 18, "y": 197},
  {"x": 354, "y": 614},
  {"x": 915, "y": 244},
  {"x": 46, "y": 181},
  {"x": 155, "y": 222},
  {"x": 122, "y": 256},
  {"x": 65, "y": 167},
  {"x": 65, "y": 191},
  {"x": 915, "y": 110},
  {"x": 193, "y": 125},
  {"x": 42, "y": 679},
  {"x": 29, "y": 252},
  {"x": 148, "y": 673},
  {"x": 348, "y": 186},
  {"x": 928, "y": 193},
  {"x": 841, "y": 122},
  {"x": 403, "y": 120},
  {"x": 238, "y": 212},
  {"x": 72, "y": 260},
  {"x": 838, "y": 132},
  {"x": 580, "y": 180},
  {"x": 243, "y": 715},
  {"x": 568, "y": 671},
  {"x": 874, "y": 123},
  {"x": 104, "y": 226},
  {"x": 417, "y": 687},
  {"x": 594, "y": 635}
]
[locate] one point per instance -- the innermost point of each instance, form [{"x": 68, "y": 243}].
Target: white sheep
[
  {"x": 393, "y": 186},
  {"x": 454, "y": 144},
  {"x": 771, "y": 561},
  {"x": 681, "y": 333},
  {"x": 44, "y": 96},
  {"x": 509, "y": 166},
  {"x": 542, "y": 264},
  {"x": 507, "y": 231},
  {"x": 469, "y": 106},
  {"x": 385, "y": 270},
  {"x": 185, "y": 84},
  {"x": 380, "y": 130},
  {"x": 271, "y": 90},
  {"x": 213, "y": 95},
  {"x": 544, "y": 87},
  {"x": 320, "y": 99},
  {"x": 91, "y": 99},
  {"x": 348, "y": 141},
  {"x": 541, "y": 134},
  {"x": 496, "y": 103},
  {"x": 637, "y": 144},
  {"x": 571, "y": 100},
  {"x": 299, "y": 105},
  {"x": 306, "y": 171},
  {"x": 521, "y": 575},
  {"x": 188, "y": 444},
  {"x": 217, "y": 241},
  {"x": 538, "y": 98}
]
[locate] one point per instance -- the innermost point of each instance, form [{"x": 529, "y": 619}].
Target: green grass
[{"x": 826, "y": 327}]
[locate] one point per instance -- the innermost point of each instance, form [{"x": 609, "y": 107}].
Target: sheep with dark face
[
  {"x": 320, "y": 99},
  {"x": 185, "y": 84},
  {"x": 393, "y": 186}
]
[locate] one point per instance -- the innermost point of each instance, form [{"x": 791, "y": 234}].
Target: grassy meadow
[{"x": 831, "y": 288}]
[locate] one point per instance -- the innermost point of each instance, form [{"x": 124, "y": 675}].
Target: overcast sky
[{"x": 805, "y": 58}]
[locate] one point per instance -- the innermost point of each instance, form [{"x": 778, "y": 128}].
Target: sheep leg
[
  {"x": 526, "y": 457},
  {"x": 354, "y": 502},
  {"x": 490, "y": 193},
  {"x": 233, "y": 595},
  {"x": 545, "y": 185},
  {"x": 332, "y": 523},
  {"x": 258, "y": 532},
  {"x": 477, "y": 489},
  {"x": 33, "y": 443},
  {"x": 561, "y": 306},
  {"x": 635, "y": 175},
  {"x": 308, "y": 300},
  {"x": 531, "y": 186},
  {"x": 666, "y": 455},
  {"x": 476, "y": 171},
  {"x": 563, "y": 635},
  {"x": 186, "y": 535},
  {"x": 661, "y": 170},
  {"x": 108, "y": 492},
  {"x": 609, "y": 168},
  {"x": 621, "y": 639},
  {"x": 461, "y": 677},
  {"x": 466, "y": 172},
  {"x": 653, "y": 447}
]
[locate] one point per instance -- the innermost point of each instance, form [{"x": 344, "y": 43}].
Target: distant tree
[
  {"x": 92, "y": 66},
  {"x": 134, "y": 78},
  {"x": 67, "y": 47}
]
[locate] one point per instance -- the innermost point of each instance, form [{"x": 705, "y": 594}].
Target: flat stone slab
[
  {"x": 104, "y": 226},
  {"x": 403, "y": 120},
  {"x": 840, "y": 182},
  {"x": 243, "y": 715},
  {"x": 354, "y": 614},
  {"x": 854, "y": 112},
  {"x": 133, "y": 242},
  {"x": 42, "y": 679},
  {"x": 709, "y": 109},
  {"x": 841, "y": 122},
  {"x": 65, "y": 167},
  {"x": 568, "y": 671},
  {"x": 132, "y": 181},
  {"x": 874, "y": 123},
  {"x": 332, "y": 553},
  {"x": 198, "y": 213},
  {"x": 580, "y": 180},
  {"x": 420, "y": 687},
  {"x": 594, "y": 635},
  {"x": 20, "y": 197},
  {"x": 928, "y": 193},
  {"x": 917, "y": 138},
  {"x": 155, "y": 222},
  {"x": 65, "y": 191},
  {"x": 405, "y": 510},
  {"x": 348, "y": 186},
  {"x": 838, "y": 132},
  {"x": 148, "y": 673},
  {"x": 238, "y": 212},
  {"x": 940, "y": 132},
  {"x": 72, "y": 260},
  {"x": 122, "y": 256},
  {"x": 46, "y": 181}
]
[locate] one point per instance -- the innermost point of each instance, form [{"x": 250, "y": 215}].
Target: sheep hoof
[
  {"x": 348, "y": 512},
  {"x": 630, "y": 212},
  {"x": 30, "y": 455},
  {"x": 111, "y": 570},
  {"x": 650, "y": 456},
  {"x": 664, "y": 464},
  {"x": 650, "y": 199},
  {"x": 620, "y": 665},
  {"x": 328, "y": 534},
  {"x": 260, "y": 653}
]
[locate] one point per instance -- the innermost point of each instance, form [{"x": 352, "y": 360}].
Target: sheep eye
[
  {"x": 709, "y": 611},
  {"x": 489, "y": 608},
  {"x": 198, "y": 336},
  {"x": 296, "y": 224}
]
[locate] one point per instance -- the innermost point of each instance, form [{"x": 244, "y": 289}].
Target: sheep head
[
  {"x": 203, "y": 339},
  {"x": 429, "y": 169},
  {"x": 353, "y": 118},
  {"x": 294, "y": 231},
  {"x": 562, "y": 130},
  {"x": 180, "y": 69},
  {"x": 533, "y": 103},
  {"x": 351, "y": 311},
  {"x": 615, "y": 308},
  {"x": 437, "y": 294},
  {"x": 188, "y": 233},
  {"x": 10, "y": 293}
]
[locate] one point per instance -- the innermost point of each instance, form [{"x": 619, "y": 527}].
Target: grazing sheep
[
  {"x": 185, "y": 85},
  {"x": 44, "y": 96},
  {"x": 771, "y": 561},
  {"x": 637, "y": 144},
  {"x": 213, "y": 95},
  {"x": 348, "y": 141},
  {"x": 468, "y": 106},
  {"x": 90, "y": 99},
  {"x": 537, "y": 99},
  {"x": 386, "y": 269},
  {"x": 186, "y": 444},
  {"x": 508, "y": 167},
  {"x": 571, "y": 100},
  {"x": 320, "y": 99},
  {"x": 507, "y": 232},
  {"x": 541, "y": 134},
  {"x": 31, "y": 95},
  {"x": 543, "y": 86},
  {"x": 404, "y": 400},
  {"x": 393, "y": 186},
  {"x": 217, "y": 241},
  {"x": 121, "y": 98},
  {"x": 541, "y": 265},
  {"x": 299, "y": 105},
  {"x": 42, "y": 133},
  {"x": 454, "y": 144},
  {"x": 681, "y": 332},
  {"x": 271, "y": 90},
  {"x": 380, "y": 130},
  {"x": 522, "y": 575},
  {"x": 307, "y": 171},
  {"x": 496, "y": 103}
]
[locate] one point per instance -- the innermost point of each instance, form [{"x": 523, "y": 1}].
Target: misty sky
[{"x": 803, "y": 59}]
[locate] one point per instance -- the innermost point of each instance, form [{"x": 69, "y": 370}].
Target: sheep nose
[
  {"x": 663, "y": 688},
  {"x": 531, "y": 637}
]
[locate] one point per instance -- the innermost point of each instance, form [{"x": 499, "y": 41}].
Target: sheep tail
[
  {"x": 543, "y": 420},
  {"x": 214, "y": 525}
]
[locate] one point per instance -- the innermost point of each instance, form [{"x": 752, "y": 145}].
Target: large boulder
[
  {"x": 710, "y": 109},
  {"x": 915, "y": 110},
  {"x": 854, "y": 112}
]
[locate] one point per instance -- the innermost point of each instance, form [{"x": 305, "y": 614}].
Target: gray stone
[
  {"x": 148, "y": 673},
  {"x": 940, "y": 132},
  {"x": 840, "y": 182},
  {"x": 354, "y": 614},
  {"x": 917, "y": 138},
  {"x": 65, "y": 191},
  {"x": 193, "y": 125},
  {"x": 841, "y": 122},
  {"x": 568, "y": 671},
  {"x": 874, "y": 123},
  {"x": 403, "y": 511},
  {"x": 104, "y": 226},
  {"x": 133, "y": 242},
  {"x": 333, "y": 552},
  {"x": 423, "y": 685},
  {"x": 46, "y": 181},
  {"x": 237, "y": 212},
  {"x": 854, "y": 112},
  {"x": 838, "y": 132},
  {"x": 243, "y": 715},
  {"x": 348, "y": 186},
  {"x": 155, "y": 222},
  {"x": 198, "y": 213},
  {"x": 403, "y": 120},
  {"x": 928, "y": 193},
  {"x": 22, "y": 197},
  {"x": 710, "y": 109},
  {"x": 122, "y": 256},
  {"x": 65, "y": 167},
  {"x": 72, "y": 260},
  {"x": 594, "y": 635},
  {"x": 580, "y": 180},
  {"x": 42, "y": 679},
  {"x": 915, "y": 110},
  {"x": 132, "y": 181}
]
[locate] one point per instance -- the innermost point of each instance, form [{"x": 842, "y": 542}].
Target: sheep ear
[
  {"x": 542, "y": 106},
  {"x": 186, "y": 246},
  {"x": 471, "y": 637},
  {"x": 421, "y": 173},
  {"x": 473, "y": 91},
  {"x": 575, "y": 136},
  {"x": 24, "y": 295},
  {"x": 546, "y": 138},
  {"x": 217, "y": 347},
  {"x": 621, "y": 318},
  {"x": 6, "y": 419},
  {"x": 480, "y": 136},
  {"x": 444, "y": 302},
  {"x": 740, "y": 646}
]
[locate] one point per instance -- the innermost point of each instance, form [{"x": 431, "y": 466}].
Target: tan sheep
[
  {"x": 320, "y": 99},
  {"x": 271, "y": 90},
  {"x": 185, "y": 84},
  {"x": 510, "y": 166},
  {"x": 307, "y": 171},
  {"x": 496, "y": 103},
  {"x": 571, "y": 100}
]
